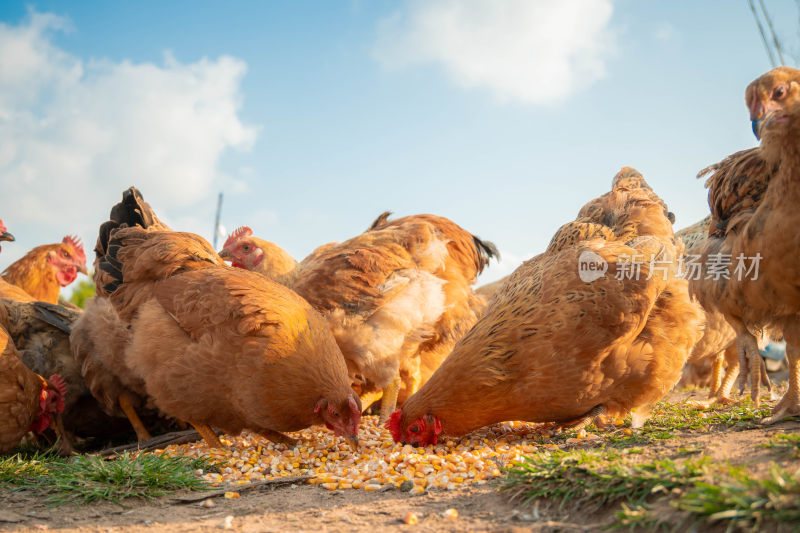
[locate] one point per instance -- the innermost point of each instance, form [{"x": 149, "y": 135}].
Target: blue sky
[{"x": 314, "y": 117}]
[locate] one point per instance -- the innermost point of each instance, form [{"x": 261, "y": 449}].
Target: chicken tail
[
  {"x": 486, "y": 250},
  {"x": 380, "y": 221},
  {"x": 131, "y": 211}
]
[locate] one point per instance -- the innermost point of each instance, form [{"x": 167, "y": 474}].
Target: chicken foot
[
  {"x": 790, "y": 403},
  {"x": 752, "y": 366},
  {"x": 208, "y": 434},
  {"x": 277, "y": 436},
  {"x": 126, "y": 405},
  {"x": 389, "y": 400},
  {"x": 585, "y": 420}
]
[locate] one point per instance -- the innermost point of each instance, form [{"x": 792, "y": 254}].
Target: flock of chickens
[{"x": 274, "y": 345}]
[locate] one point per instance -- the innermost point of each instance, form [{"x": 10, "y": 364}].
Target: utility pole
[{"x": 216, "y": 219}]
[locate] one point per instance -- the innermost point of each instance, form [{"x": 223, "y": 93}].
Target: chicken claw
[{"x": 585, "y": 420}]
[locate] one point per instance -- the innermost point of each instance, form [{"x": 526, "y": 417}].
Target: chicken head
[
  {"x": 240, "y": 249},
  {"x": 67, "y": 260},
  {"x": 773, "y": 99},
  {"x": 342, "y": 419},
  {"x": 4, "y": 234},
  {"x": 421, "y": 432},
  {"x": 51, "y": 403}
]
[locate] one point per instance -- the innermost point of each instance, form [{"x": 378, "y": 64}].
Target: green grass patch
[
  {"x": 686, "y": 492},
  {"x": 598, "y": 478},
  {"x": 86, "y": 478},
  {"x": 785, "y": 444},
  {"x": 669, "y": 420},
  {"x": 745, "y": 503}
]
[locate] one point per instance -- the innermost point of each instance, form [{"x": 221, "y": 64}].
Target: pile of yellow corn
[{"x": 377, "y": 463}]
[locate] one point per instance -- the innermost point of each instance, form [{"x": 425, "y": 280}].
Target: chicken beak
[
  {"x": 352, "y": 439},
  {"x": 6, "y": 236},
  {"x": 756, "y": 122},
  {"x": 224, "y": 254},
  {"x": 82, "y": 269}
]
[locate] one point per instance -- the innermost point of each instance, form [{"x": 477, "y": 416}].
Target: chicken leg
[
  {"x": 277, "y": 436},
  {"x": 389, "y": 399},
  {"x": 716, "y": 372},
  {"x": 722, "y": 382},
  {"x": 126, "y": 405},
  {"x": 208, "y": 434},
  {"x": 790, "y": 403},
  {"x": 368, "y": 398},
  {"x": 751, "y": 365},
  {"x": 585, "y": 420}
]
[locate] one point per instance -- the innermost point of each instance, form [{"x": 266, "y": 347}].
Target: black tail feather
[
  {"x": 487, "y": 250},
  {"x": 131, "y": 211}
]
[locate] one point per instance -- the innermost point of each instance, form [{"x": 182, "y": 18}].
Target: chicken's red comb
[
  {"x": 393, "y": 425},
  {"x": 3, "y": 228},
  {"x": 77, "y": 245},
  {"x": 237, "y": 234}
]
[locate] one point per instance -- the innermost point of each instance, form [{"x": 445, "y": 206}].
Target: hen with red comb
[
  {"x": 555, "y": 346},
  {"x": 44, "y": 270},
  {"x": 245, "y": 251}
]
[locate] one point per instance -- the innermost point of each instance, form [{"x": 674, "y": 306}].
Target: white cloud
[
  {"x": 535, "y": 51},
  {"x": 75, "y": 132}
]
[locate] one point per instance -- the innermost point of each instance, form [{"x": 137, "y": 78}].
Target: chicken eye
[
  {"x": 779, "y": 92},
  {"x": 65, "y": 254},
  {"x": 414, "y": 429},
  {"x": 246, "y": 247}
]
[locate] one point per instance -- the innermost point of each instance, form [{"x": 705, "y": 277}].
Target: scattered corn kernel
[
  {"x": 334, "y": 464},
  {"x": 452, "y": 514},
  {"x": 231, "y": 495},
  {"x": 410, "y": 518}
]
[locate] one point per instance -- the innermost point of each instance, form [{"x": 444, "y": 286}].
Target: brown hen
[
  {"x": 397, "y": 297},
  {"x": 553, "y": 347},
  {"x": 753, "y": 197},
  {"x": 220, "y": 346},
  {"x": 44, "y": 270}
]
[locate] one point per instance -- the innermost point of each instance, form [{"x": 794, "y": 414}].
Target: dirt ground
[{"x": 311, "y": 508}]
